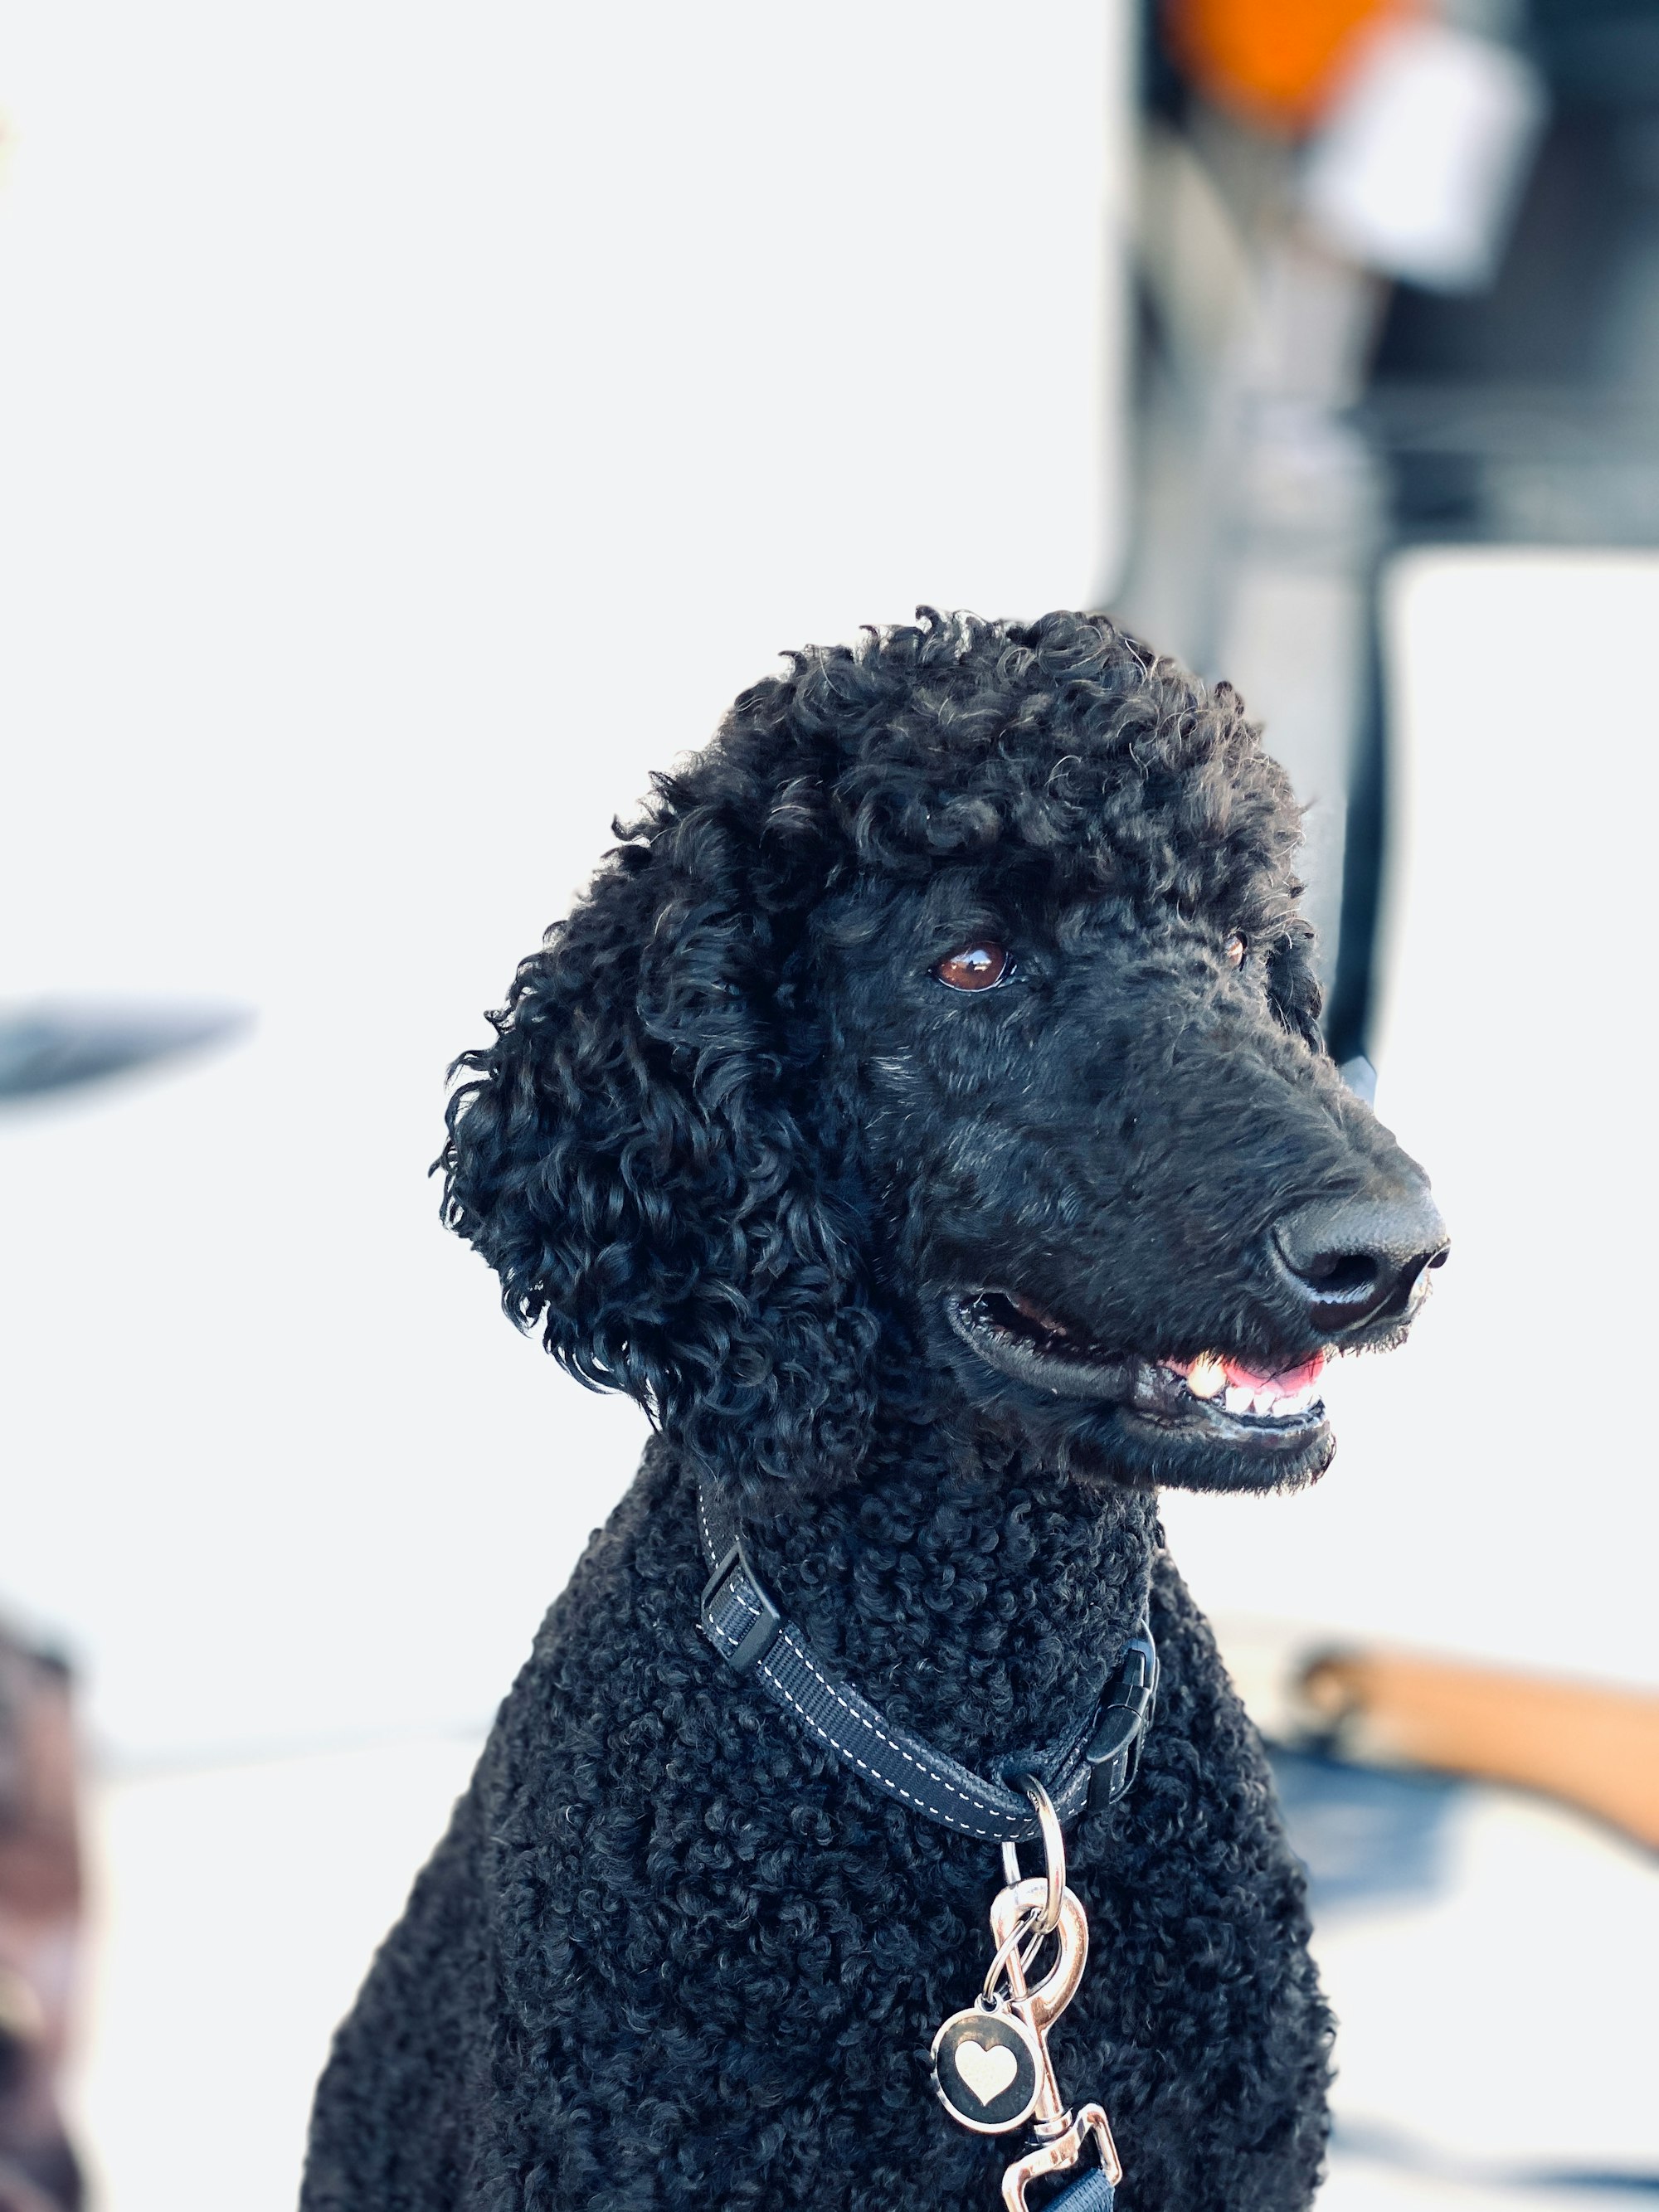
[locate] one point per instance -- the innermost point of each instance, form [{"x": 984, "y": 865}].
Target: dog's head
[{"x": 946, "y": 1033}]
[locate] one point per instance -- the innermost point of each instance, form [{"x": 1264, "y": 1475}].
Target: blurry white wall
[
  {"x": 1493, "y": 1491},
  {"x": 415, "y": 424}
]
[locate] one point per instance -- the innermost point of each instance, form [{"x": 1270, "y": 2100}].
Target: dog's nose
[{"x": 1352, "y": 1261}]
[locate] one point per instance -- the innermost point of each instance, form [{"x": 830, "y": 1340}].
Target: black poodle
[{"x": 924, "y": 1115}]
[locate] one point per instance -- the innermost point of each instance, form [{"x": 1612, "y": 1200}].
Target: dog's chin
[{"x": 1208, "y": 1422}]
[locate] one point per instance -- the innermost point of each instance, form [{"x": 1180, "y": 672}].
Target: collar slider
[{"x": 738, "y": 1616}]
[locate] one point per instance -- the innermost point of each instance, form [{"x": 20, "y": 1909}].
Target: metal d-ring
[{"x": 1054, "y": 1850}]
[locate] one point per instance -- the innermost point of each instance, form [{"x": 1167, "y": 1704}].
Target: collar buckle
[{"x": 1114, "y": 1752}]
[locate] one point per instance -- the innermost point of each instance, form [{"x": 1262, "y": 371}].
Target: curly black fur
[{"x": 736, "y": 1150}]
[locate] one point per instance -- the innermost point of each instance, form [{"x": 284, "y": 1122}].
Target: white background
[
  {"x": 1493, "y": 1491},
  {"x": 416, "y": 425}
]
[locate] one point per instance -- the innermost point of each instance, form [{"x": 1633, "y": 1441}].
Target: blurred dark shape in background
[
  {"x": 49, "y": 1048},
  {"x": 57, "y": 1045},
  {"x": 39, "y": 1926},
  {"x": 1530, "y": 411}
]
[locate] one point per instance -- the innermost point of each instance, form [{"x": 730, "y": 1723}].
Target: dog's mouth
[{"x": 1211, "y": 1394}]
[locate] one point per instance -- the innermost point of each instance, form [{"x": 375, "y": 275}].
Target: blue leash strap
[
  {"x": 1093, "y": 2193},
  {"x": 1094, "y": 1762}
]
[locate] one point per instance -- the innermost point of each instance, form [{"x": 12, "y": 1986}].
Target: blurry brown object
[
  {"x": 1278, "y": 63},
  {"x": 1595, "y": 1747},
  {"x": 39, "y": 1924}
]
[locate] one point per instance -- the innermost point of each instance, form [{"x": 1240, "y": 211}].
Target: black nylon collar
[{"x": 1095, "y": 1761}]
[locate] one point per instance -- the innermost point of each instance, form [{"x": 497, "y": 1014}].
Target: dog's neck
[{"x": 975, "y": 1597}]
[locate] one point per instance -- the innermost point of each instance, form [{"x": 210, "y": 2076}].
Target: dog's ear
[{"x": 627, "y": 1158}]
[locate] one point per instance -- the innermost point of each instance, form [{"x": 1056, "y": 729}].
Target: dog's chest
[
  {"x": 765, "y": 1928},
  {"x": 708, "y": 1943}
]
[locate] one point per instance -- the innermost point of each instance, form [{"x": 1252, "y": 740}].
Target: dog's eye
[
  {"x": 1235, "y": 949},
  {"x": 976, "y": 967}
]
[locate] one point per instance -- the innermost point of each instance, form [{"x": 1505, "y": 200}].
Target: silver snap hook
[{"x": 1054, "y": 1850}]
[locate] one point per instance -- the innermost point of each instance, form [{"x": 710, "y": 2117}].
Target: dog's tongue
[
  {"x": 1283, "y": 1383},
  {"x": 1244, "y": 1390}
]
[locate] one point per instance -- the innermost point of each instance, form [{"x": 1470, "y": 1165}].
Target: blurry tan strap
[{"x": 1595, "y": 1748}]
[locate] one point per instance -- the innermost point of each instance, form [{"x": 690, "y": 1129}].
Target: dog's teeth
[
  {"x": 1206, "y": 1377},
  {"x": 1292, "y": 1401},
  {"x": 1258, "y": 1397}
]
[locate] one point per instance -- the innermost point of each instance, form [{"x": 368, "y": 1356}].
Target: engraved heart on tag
[{"x": 986, "y": 2067}]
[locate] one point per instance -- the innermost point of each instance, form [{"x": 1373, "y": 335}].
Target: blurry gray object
[
  {"x": 1515, "y": 463},
  {"x": 1261, "y": 506},
  {"x": 1530, "y": 414},
  {"x": 59, "y": 1044},
  {"x": 1315, "y": 390}
]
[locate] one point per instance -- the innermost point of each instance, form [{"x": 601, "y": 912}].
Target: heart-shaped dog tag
[{"x": 986, "y": 2069}]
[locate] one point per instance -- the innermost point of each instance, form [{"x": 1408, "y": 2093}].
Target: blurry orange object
[
  {"x": 1594, "y": 1745},
  {"x": 1278, "y": 63}
]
